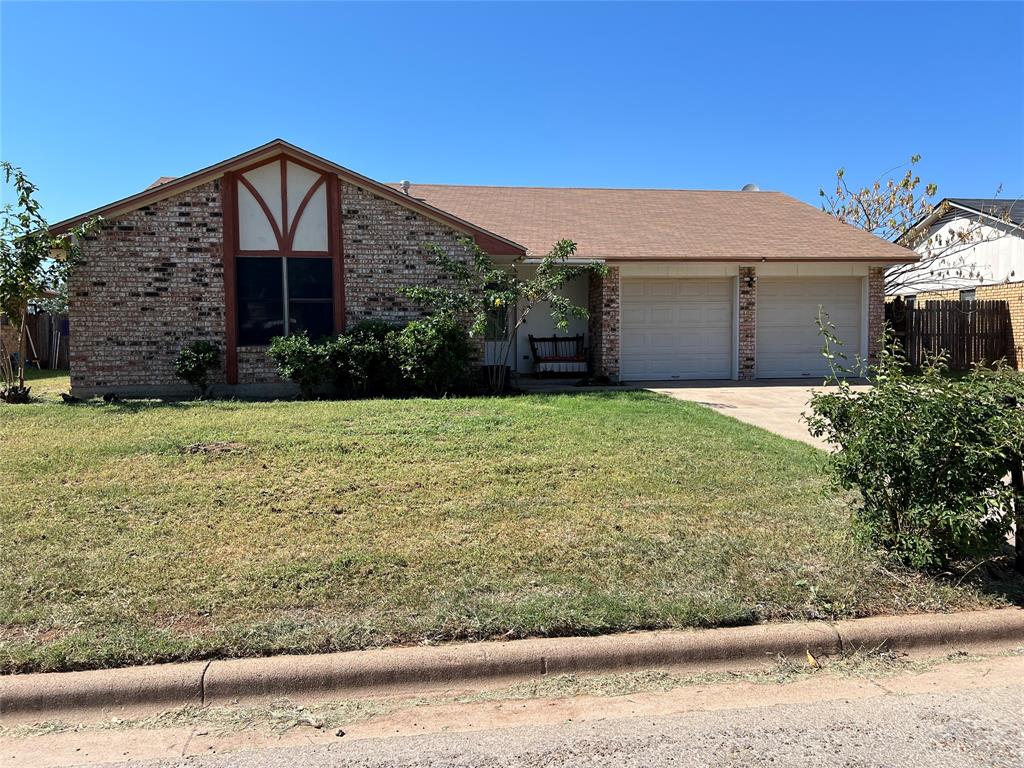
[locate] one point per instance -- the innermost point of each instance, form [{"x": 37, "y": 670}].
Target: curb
[{"x": 400, "y": 670}]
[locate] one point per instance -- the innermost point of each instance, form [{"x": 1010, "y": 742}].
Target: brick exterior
[
  {"x": 876, "y": 311},
  {"x": 150, "y": 282},
  {"x": 384, "y": 252},
  {"x": 603, "y": 326},
  {"x": 747, "y": 363},
  {"x": 1011, "y": 293}
]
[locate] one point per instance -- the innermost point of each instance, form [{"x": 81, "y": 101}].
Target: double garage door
[{"x": 684, "y": 328}]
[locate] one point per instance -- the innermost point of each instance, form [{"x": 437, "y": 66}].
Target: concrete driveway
[{"x": 773, "y": 405}]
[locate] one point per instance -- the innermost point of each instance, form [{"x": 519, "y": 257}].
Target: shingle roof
[
  {"x": 161, "y": 181},
  {"x": 993, "y": 206},
  {"x": 662, "y": 224}
]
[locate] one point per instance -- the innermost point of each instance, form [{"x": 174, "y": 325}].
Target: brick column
[
  {"x": 747, "y": 364},
  {"x": 603, "y": 326},
  {"x": 876, "y": 311}
]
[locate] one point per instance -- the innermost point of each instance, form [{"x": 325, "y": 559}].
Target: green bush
[
  {"x": 301, "y": 361},
  {"x": 928, "y": 453},
  {"x": 378, "y": 359},
  {"x": 364, "y": 362},
  {"x": 194, "y": 363},
  {"x": 434, "y": 356}
]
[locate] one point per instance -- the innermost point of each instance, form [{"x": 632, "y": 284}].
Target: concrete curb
[{"x": 401, "y": 670}]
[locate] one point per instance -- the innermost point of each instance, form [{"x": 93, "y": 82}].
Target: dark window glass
[
  {"x": 260, "y": 300},
  {"x": 968, "y": 295},
  {"x": 497, "y": 324},
  {"x": 310, "y": 297}
]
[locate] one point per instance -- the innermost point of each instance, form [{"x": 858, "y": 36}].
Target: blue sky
[{"x": 98, "y": 100}]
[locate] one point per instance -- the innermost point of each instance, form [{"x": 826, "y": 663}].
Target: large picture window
[{"x": 281, "y": 296}]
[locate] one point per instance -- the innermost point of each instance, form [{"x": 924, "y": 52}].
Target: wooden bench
[{"x": 558, "y": 354}]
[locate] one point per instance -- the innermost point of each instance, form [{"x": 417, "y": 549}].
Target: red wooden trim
[
  {"x": 266, "y": 210},
  {"x": 291, "y": 158},
  {"x": 294, "y": 225},
  {"x": 337, "y": 249},
  {"x": 277, "y": 254},
  {"x": 229, "y": 219}
]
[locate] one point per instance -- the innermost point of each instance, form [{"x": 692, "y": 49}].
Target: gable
[{"x": 493, "y": 243}]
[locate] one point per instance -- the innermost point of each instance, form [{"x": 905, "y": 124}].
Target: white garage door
[
  {"x": 676, "y": 329},
  {"x": 788, "y": 342}
]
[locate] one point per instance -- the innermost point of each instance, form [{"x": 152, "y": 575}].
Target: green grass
[
  {"x": 47, "y": 384},
  {"x": 321, "y": 526}
]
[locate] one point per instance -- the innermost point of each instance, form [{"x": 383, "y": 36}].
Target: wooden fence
[
  {"x": 969, "y": 332},
  {"x": 46, "y": 343}
]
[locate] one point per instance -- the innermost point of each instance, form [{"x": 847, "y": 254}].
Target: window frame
[
  {"x": 231, "y": 251},
  {"x": 286, "y": 298}
]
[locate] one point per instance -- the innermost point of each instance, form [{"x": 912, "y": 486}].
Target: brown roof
[
  {"x": 662, "y": 224},
  {"x": 161, "y": 181}
]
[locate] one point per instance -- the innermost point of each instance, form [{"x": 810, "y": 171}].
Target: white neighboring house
[
  {"x": 987, "y": 264},
  {"x": 966, "y": 243}
]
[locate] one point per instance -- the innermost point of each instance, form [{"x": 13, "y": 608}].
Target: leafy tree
[
  {"x": 891, "y": 206},
  {"x": 482, "y": 290},
  {"x": 32, "y": 261}
]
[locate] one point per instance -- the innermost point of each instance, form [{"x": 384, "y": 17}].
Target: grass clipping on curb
[{"x": 145, "y": 532}]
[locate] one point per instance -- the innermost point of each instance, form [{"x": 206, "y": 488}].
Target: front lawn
[{"x": 143, "y": 532}]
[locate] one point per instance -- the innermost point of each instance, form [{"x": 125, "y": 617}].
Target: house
[
  {"x": 971, "y": 249},
  {"x": 700, "y": 284}
]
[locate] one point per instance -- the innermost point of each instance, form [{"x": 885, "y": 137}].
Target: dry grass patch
[{"x": 339, "y": 525}]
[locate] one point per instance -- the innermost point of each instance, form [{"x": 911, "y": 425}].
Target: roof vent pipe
[
  {"x": 405, "y": 186},
  {"x": 750, "y": 188}
]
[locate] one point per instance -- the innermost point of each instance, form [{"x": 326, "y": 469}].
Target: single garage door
[
  {"x": 788, "y": 342},
  {"x": 676, "y": 329}
]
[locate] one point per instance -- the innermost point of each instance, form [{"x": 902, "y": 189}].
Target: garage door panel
[
  {"x": 788, "y": 342},
  {"x": 676, "y": 328}
]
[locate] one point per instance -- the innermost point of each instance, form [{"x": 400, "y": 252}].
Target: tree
[
  {"x": 484, "y": 292},
  {"x": 32, "y": 262},
  {"x": 892, "y": 206}
]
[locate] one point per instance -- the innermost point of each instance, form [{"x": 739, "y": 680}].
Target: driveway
[{"x": 776, "y": 406}]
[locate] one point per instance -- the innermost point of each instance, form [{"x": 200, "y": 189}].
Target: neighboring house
[
  {"x": 981, "y": 242},
  {"x": 700, "y": 284}
]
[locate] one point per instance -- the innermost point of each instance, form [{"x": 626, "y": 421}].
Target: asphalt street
[{"x": 980, "y": 727}]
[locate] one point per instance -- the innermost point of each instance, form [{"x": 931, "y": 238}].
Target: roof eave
[{"x": 491, "y": 242}]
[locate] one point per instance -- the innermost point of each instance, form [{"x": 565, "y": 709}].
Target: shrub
[
  {"x": 194, "y": 363},
  {"x": 363, "y": 360},
  {"x": 928, "y": 454},
  {"x": 434, "y": 355},
  {"x": 300, "y": 360}
]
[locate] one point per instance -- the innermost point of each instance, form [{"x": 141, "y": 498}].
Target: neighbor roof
[
  {"x": 662, "y": 224},
  {"x": 993, "y": 206}
]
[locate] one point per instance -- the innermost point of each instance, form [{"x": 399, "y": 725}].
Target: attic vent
[
  {"x": 405, "y": 186},
  {"x": 750, "y": 188}
]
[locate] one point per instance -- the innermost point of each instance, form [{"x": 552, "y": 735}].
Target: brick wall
[
  {"x": 747, "y": 364},
  {"x": 1011, "y": 293},
  {"x": 603, "y": 325},
  {"x": 384, "y": 252},
  {"x": 876, "y": 310},
  {"x": 150, "y": 282}
]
